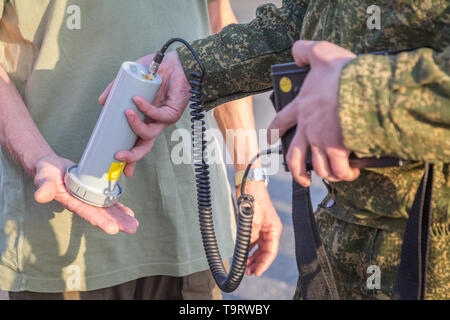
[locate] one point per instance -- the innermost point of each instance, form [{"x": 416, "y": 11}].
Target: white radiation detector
[{"x": 95, "y": 179}]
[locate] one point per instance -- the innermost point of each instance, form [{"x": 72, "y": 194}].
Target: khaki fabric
[{"x": 61, "y": 55}]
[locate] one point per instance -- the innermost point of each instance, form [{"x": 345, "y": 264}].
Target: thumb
[
  {"x": 46, "y": 191},
  {"x": 163, "y": 114},
  {"x": 104, "y": 96},
  {"x": 283, "y": 121}
]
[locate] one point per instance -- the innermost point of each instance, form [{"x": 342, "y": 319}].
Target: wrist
[
  {"x": 26, "y": 152},
  {"x": 254, "y": 175},
  {"x": 245, "y": 150},
  {"x": 243, "y": 166},
  {"x": 37, "y": 159}
]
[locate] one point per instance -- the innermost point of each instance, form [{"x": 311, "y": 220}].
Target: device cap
[{"x": 95, "y": 197}]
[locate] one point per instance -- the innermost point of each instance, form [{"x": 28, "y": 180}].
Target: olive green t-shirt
[{"x": 61, "y": 55}]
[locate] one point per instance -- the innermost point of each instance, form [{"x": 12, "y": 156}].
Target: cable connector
[{"x": 153, "y": 68}]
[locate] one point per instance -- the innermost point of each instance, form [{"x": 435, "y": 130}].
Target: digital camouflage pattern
[
  {"x": 397, "y": 105},
  {"x": 352, "y": 248}
]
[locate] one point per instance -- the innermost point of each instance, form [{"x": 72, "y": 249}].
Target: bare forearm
[
  {"x": 220, "y": 15},
  {"x": 237, "y": 124},
  {"x": 235, "y": 119},
  {"x": 19, "y": 135}
]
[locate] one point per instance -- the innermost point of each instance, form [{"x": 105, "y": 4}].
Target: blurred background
[{"x": 279, "y": 281}]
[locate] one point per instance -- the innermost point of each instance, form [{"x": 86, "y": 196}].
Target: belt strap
[
  {"x": 316, "y": 276},
  {"x": 411, "y": 279}
]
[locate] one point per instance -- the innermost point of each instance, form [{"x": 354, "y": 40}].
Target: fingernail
[
  {"x": 132, "y": 228},
  {"x": 130, "y": 115},
  {"x": 113, "y": 229},
  {"x": 119, "y": 155},
  {"x": 304, "y": 182}
]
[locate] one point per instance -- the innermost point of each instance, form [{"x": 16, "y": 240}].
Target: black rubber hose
[{"x": 227, "y": 282}]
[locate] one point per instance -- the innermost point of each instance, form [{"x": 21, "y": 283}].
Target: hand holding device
[
  {"x": 315, "y": 112},
  {"x": 288, "y": 80},
  {"x": 50, "y": 171},
  {"x": 166, "y": 108},
  {"x": 95, "y": 179}
]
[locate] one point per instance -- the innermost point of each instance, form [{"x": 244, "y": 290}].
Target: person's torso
[{"x": 61, "y": 55}]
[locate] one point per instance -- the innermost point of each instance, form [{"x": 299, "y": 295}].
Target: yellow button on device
[
  {"x": 285, "y": 84},
  {"x": 115, "y": 171}
]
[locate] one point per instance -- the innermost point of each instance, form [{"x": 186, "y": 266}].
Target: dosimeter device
[
  {"x": 95, "y": 179},
  {"x": 287, "y": 80}
]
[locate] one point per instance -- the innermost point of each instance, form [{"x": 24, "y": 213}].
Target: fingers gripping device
[{"x": 95, "y": 179}]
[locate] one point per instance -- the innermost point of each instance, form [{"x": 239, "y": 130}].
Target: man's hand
[
  {"x": 266, "y": 229},
  {"x": 166, "y": 109},
  {"x": 49, "y": 180},
  {"x": 315, "y": 111},
  {"x": 20, "y": 137}
]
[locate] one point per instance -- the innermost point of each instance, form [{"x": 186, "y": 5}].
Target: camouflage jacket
[{"x": 397, "y": 105}]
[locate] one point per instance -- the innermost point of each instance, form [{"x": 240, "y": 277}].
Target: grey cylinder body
[{"x": 95, "y": 179}]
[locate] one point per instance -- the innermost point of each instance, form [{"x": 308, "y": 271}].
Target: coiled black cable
[{"x": 227, "y": 282}]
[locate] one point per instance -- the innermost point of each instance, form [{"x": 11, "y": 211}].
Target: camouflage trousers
[{"x": 365, "y": 259}]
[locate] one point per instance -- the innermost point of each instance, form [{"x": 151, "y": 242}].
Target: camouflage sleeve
[
  {"x": 397, "y": 105},
  {"x": 237, "y": 60}
]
